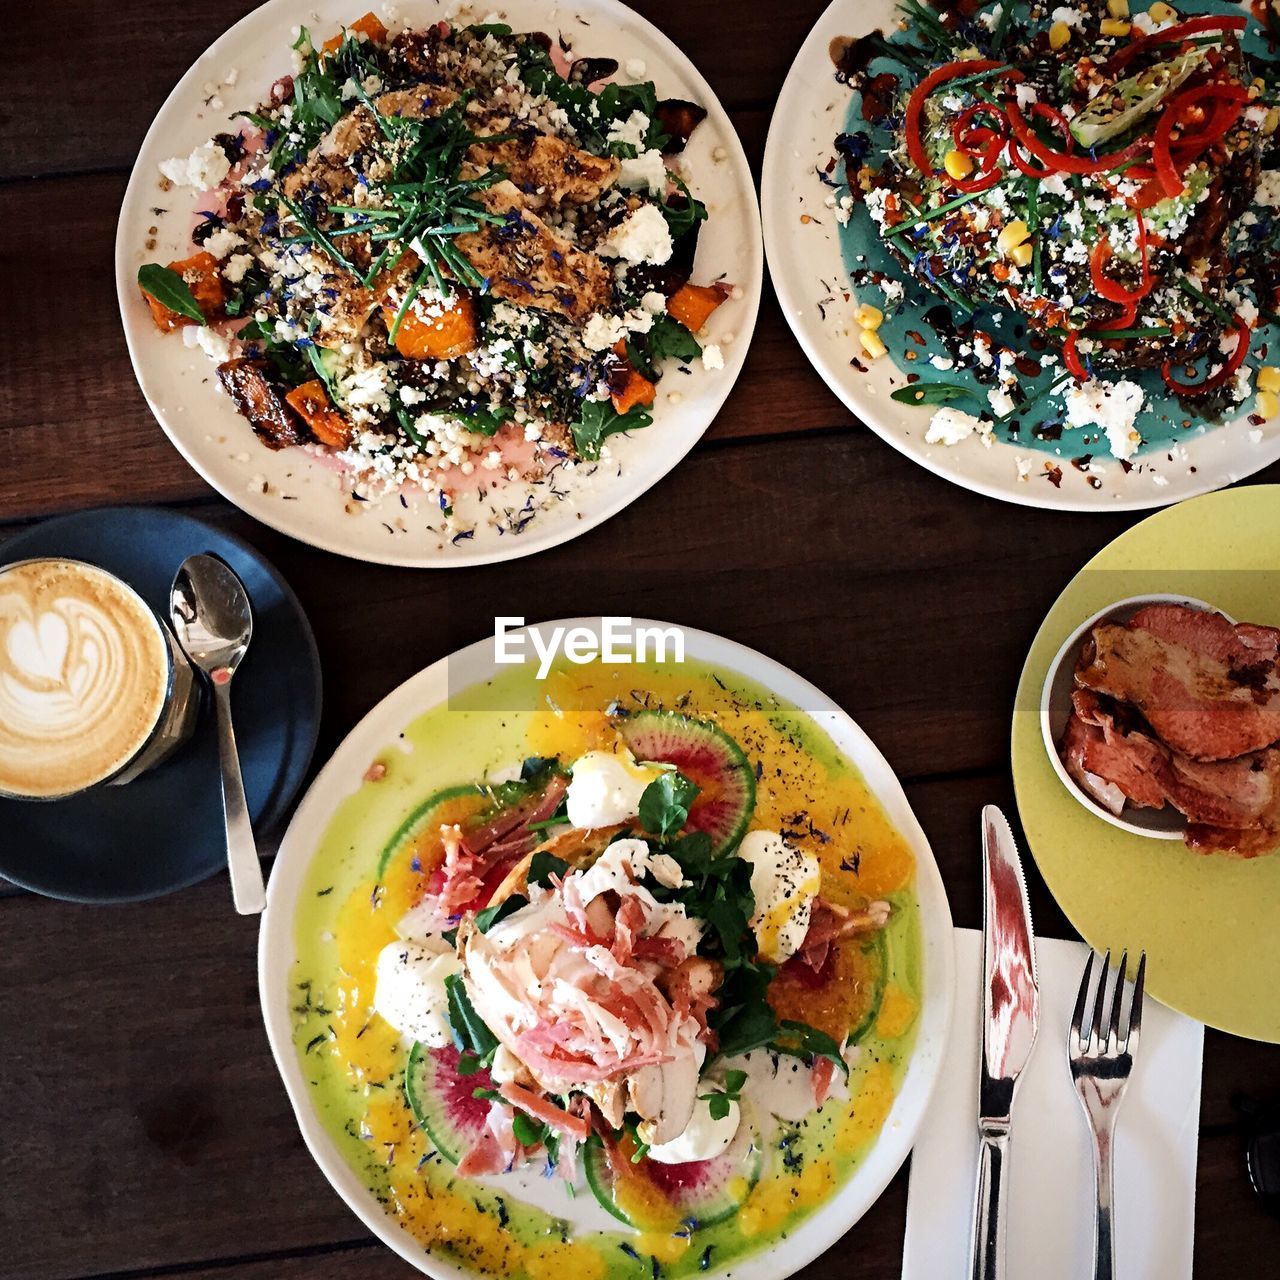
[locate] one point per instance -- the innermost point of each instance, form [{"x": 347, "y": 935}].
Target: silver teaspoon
[{"x": 214, "y": 624}]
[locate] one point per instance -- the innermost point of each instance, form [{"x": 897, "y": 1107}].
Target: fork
[{"x": 1101, "y": 1061}]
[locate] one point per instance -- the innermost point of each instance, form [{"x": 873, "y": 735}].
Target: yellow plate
[{"x": 1210, "y": 924}]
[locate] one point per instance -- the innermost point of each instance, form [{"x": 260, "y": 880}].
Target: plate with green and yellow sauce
[{"x": 631, "y": 970}]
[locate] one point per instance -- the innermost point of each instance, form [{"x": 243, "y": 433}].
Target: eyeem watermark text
[{"x": 611, "y": 640}]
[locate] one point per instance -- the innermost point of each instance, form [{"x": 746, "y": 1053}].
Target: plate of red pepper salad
[{"x": 1035, "y": 247}]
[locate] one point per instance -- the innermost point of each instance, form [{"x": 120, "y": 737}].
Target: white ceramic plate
[
  {"x": 819, "y": 303},
  {"x": 472, "y": 665},
  {"x": 300, "y": 495}
]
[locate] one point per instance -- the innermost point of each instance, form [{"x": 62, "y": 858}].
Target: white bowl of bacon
[{"x": 1161, "y": 714}]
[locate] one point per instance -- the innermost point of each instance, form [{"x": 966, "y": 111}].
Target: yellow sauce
[{"x": 356, "y": 1062}]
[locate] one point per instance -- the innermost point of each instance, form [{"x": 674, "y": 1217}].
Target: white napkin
[{"x": 1049, "y": 1213}]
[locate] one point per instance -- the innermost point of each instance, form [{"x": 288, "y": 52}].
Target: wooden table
[{"x": 146, "y": 1130}]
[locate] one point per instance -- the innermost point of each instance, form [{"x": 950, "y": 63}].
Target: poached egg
[
  {"x": 785, "y": 882},
  {"x": 606, "y": 787}
]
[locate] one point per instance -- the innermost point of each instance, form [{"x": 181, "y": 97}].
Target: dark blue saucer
[{"x": 164, "y": 830}]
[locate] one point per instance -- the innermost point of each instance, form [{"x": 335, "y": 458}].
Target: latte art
[{"x": 84, "y": 676}]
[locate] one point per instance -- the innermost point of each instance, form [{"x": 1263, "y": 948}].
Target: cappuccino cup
[{"x": 94, "y": 689}]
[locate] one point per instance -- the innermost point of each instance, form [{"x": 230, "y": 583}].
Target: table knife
[{"x": 1010, "y": 1016}]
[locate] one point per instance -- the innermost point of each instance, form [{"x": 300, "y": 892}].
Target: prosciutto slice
[
  {"x": 1232, "y": 805},
  {"x": 1208, "y": 687}
]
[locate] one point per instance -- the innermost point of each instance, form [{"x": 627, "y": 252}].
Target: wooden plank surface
[
  {"x": 147, "y": 1132},
  {"x": 150, "y": 1087},
  {"x": 125, "y": 58}
]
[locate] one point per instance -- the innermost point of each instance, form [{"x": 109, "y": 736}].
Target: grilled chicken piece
[
  {"x": 528, "y": 264},
  {"x": 257, "y": 397},
  {"x": 348, "y": 304},
  {"x": 328, "y": 169},
  {"x": 547, "y": 170},
  {"x": 1209, "y": 689}
]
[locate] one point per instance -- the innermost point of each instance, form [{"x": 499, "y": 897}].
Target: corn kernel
[
  {"x": 1114, "y": 27},
  {"x": 1021, "y": 254},
  {"x": 869, "y": 317},
  {"x": 1013, "y": 234},
  {"x": 958, "y": 164},
  {"x": 1269, "y": 378},
  {"x": 1118, "y": 8},
  {"x": 872, "y": 343},
  {"x": 1161, "y": 12},
  {"x": 1268, "y": 404},
  {"x": 1059, "y": 35}
]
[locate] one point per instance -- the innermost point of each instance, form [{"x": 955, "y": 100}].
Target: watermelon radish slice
[
  {"x": 706, "y": 755},
  {"x": 443, "y": 1102},
  {"x": 450, "y": 805},
  {"x": 701, "y": 1193}
]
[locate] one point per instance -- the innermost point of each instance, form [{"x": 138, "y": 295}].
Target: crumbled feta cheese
[
  {"x": 712, "y": 357},
  {"x": 1072, "y": 17},
  {"x": 233, "y": 270},
  {"x": 1269, "y": 189},
  {"x": 647, "y": 170},
  {"x": 1001, "y": 402},
  {"x": 210, "y": 341},
  {"x": 643, "y": 237},
  {"x": 1113, "y": 406},
  {"x": 602, "y": 332},
  {"x": 654, "y": 302},
  {"x": 631, "y": 131},
  {"x": 205, "y": 167},
  {"x": 942, "y": 363},
  {"x": 636, "y": 68},
  {"x": 951, "y": 426},
  {"x": 222, "y": 241}
]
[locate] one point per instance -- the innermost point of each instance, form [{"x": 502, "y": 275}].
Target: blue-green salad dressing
[{"x": 1163, "y": 422}]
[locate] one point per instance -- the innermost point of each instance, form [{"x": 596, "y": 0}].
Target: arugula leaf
[
  {"x": 488, "y": 420},
  {"x": 684, "y": 216},
  {"x": 745, "y": 1020},
  {"x": 803, "y": 1041},
  {"x": 469, "y": 1031},
  {"x": 933, "y": 393},
  {"x": 486, "y": 919},
  {"x": 490, "y": 28},
  {"x": 544, "y": 865},
  {"x": 664, "y": 803},
  {"x": 719, "y": 1099},
  {"x": 528, "y": 1131},
  {"x": 599, "y": 420},
  {"x": 169, "y": 289},
  {"x": 670, "y": 340}
]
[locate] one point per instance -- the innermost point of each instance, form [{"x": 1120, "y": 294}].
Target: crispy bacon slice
[
  {"x": 1209, "y": 689},
  {"x": 1233, "y": 805},
  {"x": 827, "y": 922}
]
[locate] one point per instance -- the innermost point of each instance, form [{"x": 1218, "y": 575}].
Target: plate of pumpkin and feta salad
[
  {"x": 625, "y": 972},
  {"x": 453, "y": 287},
  {"x": 1058, "y": 227}
]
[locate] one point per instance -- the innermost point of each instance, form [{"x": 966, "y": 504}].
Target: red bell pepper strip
[
  {"x": 920, "y": 95},
  {"x": 1064, "y": 160},
  {"x": 1166, "y": 167},
  {"x": 1225, "y": 374},
  {"x": 1104, "y": 286},
  {"x": 1175, "y": 35},
  {"x": 1071, "y": 357}
]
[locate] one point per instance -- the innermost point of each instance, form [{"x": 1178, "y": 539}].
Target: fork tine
[
  {"x": 1076, "y": 1039},
  {"x": 1135, "y": 1008},
  {"x": 1100, "y": 1004},
  {"x": 1113, "y": 1032}
]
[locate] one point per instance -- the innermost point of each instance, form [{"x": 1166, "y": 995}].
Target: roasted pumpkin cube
[
  {"x": 431, "y": 335},
  {"x": 628, "y": 387},
  {"x": 201, "y": 275},
  {"x": 692, "y": 304},
  {"x": 369, "y": 26},
  {"x": 311, "y": 403}
]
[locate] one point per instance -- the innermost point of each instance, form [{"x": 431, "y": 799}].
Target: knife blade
[{"x": 1010, "y": 1018}]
